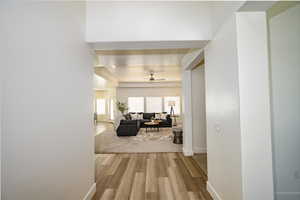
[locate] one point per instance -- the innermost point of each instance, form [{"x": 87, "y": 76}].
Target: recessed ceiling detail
[{"x": 137, "y": 65}]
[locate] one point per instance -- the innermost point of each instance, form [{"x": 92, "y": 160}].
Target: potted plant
[{"x": 122, "y": 107}]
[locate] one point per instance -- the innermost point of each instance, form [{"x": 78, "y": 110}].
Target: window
[
  {"x": 154, "y": 104},
  {"x": 112, "y": 110},
  {"x": 135, "y": 104},
  {"x": 168, "y": 101},
  {"x": 101, "y": 106}
]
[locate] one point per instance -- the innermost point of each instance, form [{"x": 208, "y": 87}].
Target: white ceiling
[{"x": 135, "y": 65}]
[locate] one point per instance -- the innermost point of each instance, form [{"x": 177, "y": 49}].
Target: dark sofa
[
  {"x": 147, "y": 117},
  {"x": 129, "y": 127}
]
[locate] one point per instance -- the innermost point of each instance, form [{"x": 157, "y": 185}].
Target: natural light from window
[
  {"x": 112, "y": 111},
  {"x": 101, "y": 107},
  {"x": 154, "y": 104},
  {"x": 136, "y": 104}
]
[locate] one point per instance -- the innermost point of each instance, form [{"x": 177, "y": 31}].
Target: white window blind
[
  {"x": 167, "y": 107},
  {"x": 154, "y": 104},
  {"x": 135, "y": 104}
]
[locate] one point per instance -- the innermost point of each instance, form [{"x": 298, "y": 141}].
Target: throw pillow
[
  {"x": 140, "y": 116},
  {"x": 163, "y": 116},
  {"x": 157, "y": 116},
  {"x": 134, "y": 116}
]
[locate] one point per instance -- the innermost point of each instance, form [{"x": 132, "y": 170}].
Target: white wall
[
  {"x": 221, "y": 11},
  {"x": 147, "y": 21},
  {"x": 255, "y": 117},
  {"x": 48, "y": 138},
  {"x": 238, "y": 110},
  {"x": 222, "y": 114},
  {"x": 285, "y": 76},
  {"x": 99, "y": 83},
  {"x": 1, "y": 118},
  {"x": 198, "y": 109}
]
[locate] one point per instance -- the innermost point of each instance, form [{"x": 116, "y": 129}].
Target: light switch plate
[{"x": 217, "y": 128}]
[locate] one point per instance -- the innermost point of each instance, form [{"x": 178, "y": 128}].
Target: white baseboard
[
  {"x": 91, "y": 193},
  {"x": 287, "y": 195},
  {"x": 187, "y": 152},
  {"x": 213, "y": 193},
  {"x": 199, "y": 150}
]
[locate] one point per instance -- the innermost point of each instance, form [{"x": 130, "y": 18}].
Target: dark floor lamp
[{"x": 172, "y": 113}]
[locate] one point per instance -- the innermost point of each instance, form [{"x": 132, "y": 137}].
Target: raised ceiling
[{"x": 136, "y": 65}]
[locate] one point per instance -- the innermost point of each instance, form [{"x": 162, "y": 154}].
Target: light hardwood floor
[
  {"x": 139, "y": 176},
  {"x": 201, "y": 160}
]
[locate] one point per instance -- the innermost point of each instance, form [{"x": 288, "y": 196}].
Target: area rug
[
  {"x": 162, "y": 134},
  {"x": 109, "y": 142}
]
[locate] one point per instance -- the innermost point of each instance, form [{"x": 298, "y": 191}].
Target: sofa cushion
[
  {"x": 163, "y": 116},
  {"x": 157, "y": 115},
  {"x": 128, "y": 122},
  {"x": 148, "y": 115},
  {"x": 134, "y": 116}
]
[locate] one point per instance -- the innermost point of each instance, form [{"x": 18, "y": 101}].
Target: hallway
[
  {"x": 229, "y": 70},
  {"x": 164, "y": 176}
]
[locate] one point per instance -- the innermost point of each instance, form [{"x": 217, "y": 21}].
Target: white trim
[
  {"x": 187, "y": 113},
  {"x": 213, "y": 193},
  {"x": 187, "y": 152},
  {"x": 91, "y": 192},
  {"x": 287, "y": 195},
  {"x": 199, "y": 150},
  {"x": 192, "y": 58}
]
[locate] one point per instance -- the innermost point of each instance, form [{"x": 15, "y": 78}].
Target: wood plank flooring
[
  {"x": 201, "y": 160},
  {"x": 157, "y": 176}
]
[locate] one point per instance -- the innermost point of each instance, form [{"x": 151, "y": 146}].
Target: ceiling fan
[{"x": 152, "y": 78}]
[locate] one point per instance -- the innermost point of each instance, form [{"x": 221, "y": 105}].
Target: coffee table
[{"x": 152, "y": 125}]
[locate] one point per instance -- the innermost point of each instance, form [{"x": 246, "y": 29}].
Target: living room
[{"x": 138, "y": 101}]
